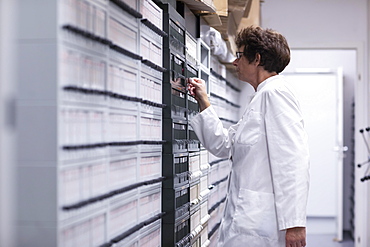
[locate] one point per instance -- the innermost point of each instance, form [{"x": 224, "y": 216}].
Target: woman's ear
[{"x": 257, "y": 60}]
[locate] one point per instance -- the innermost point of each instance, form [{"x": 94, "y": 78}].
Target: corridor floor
[{"x": 323, "y": 240}]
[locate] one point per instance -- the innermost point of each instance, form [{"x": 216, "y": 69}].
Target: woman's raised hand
[{"x": 197, "y": 88}]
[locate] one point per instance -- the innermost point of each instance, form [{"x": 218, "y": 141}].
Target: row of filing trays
[
  {"x": 91, "y": 156},
  {"x": 185, "y": 189},
  {"x": 122, "y": 109},
  {"x": 111, "y": 132}
]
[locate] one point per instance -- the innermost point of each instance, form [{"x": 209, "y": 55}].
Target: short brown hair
[{"x": 271, "y": 45}]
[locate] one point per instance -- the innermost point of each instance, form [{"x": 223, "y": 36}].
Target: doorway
[
  {"x": 330, "y": 60},
  {"x": 322, "y": 113}
]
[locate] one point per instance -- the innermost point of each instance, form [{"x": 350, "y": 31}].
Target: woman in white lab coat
[{"x": 267, "y": 198}]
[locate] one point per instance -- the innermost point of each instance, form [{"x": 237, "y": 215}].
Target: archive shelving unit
[
  {"x": 107, "y": 156},
  {"x": 90, "y": 115}
]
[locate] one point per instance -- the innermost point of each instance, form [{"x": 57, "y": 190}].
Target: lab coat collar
[
  {"x": 259, "y": 87},
  {"x": 267, "y": 81}
]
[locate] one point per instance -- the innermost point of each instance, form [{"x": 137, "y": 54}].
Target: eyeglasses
[{"x": 239, "y": 54}]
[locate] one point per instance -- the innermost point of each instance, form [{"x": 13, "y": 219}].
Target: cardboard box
[{"x": 221, "y": 7}]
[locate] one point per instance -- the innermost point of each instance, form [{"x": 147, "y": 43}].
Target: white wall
[
  {"x": 317, "y": 22},
  {"x": 7, "y": 125},
  {"x": 337, "y": 24}
]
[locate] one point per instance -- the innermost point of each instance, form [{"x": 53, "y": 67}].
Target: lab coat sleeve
[
  {"x": 289, "y": 158},
  {"x": 211, "y": 133}
]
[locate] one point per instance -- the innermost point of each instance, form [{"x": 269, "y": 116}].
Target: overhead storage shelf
[
  {"x": 200, "y": 5},
  {"x": 212, "y": 19}
]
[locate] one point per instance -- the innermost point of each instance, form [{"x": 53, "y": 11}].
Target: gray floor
[{"x": 323, "y": 240}]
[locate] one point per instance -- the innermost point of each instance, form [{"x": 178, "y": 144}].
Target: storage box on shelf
[
  {"x": 204, "y": 165},
  {"x": 87, "y": 230},
  {"x": 175, "y": 132},
  {"x": 150, "y": 166},
  {"x": 174, "y": 93},
  {"x": 150, "y": 201},
  {"x": 218, "y": 84},
  {"x": 150, "y": 127},
  {"x": 213, "y": 237},
  {"x": 152, "y": 12},
  {"x": 151, "y": 45},
  {"x": 151, "y": 84},
  {"x": 122, "y": 213},
  {"x": 194, "y": 197},
  {"x": 82, "y": 77},
  {"x": 194, "y": 167},
  {"x": 204, "y": 215},
  {"x": 151, "y": 235},
  {"x": 177, "y": 172},
  {"x": 204, "y": 237},
  {"x": 195, "y": 228},
  {"x": 174, "y": 90},
  {"x": 192, "y": 104},
  {"x": 123, "y": 76},
  {"x": 217, "y": 195},
  {"x": 217, "y": 67},
  {"x": 122, "y": 29},
  {"x": 82, "y": 181},
  {"x": 176, "y": 202},
  {"x": 123, "y": 171},
  {"x": 81, "y": 133},
  {"x": 204, "y": 188},
  {"x": 148, "y": 235},
  {"x": 122, "y": 125},
  {"x": 216, "y": 213},
  {"x": 130, "y": 240},
  {"x": 219, "y": 171},
  {"x": 84, "y": 17},
  {"x": 178, "y": 233},
  {"x": 191, "y": 50},
  {"x": 175, "y": 199}
]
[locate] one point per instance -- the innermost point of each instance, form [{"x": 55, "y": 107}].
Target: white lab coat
[{"x": 269, "y": 180}]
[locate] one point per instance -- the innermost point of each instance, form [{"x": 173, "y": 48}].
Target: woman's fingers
[
  {"x": 197, "y": 88},
  {"x": 196, "y": 82},
  {"x": 191, "y": 88}
]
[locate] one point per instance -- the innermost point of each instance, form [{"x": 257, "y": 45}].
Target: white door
[{"x": 320, "y": 93}]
